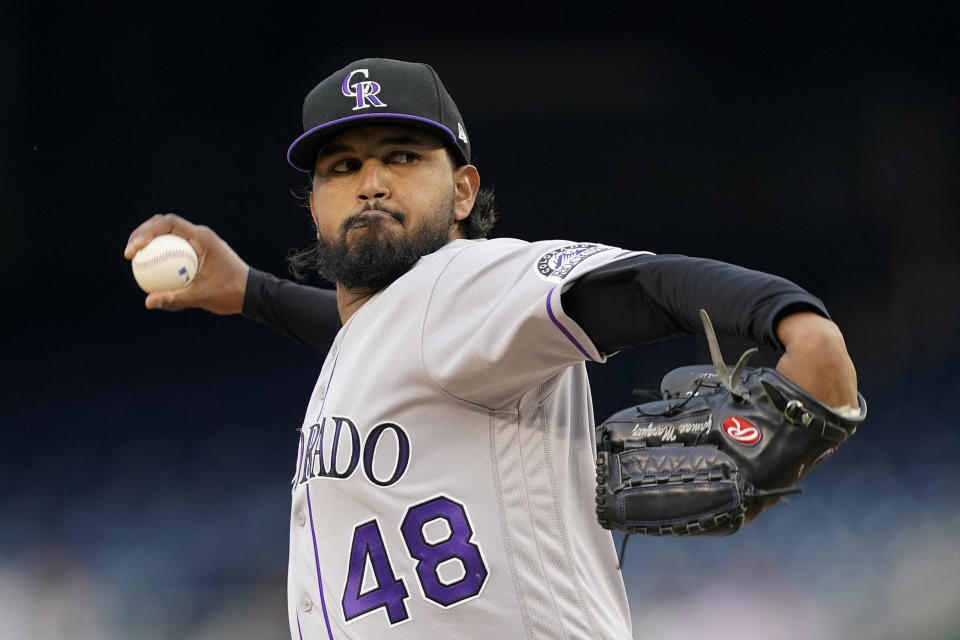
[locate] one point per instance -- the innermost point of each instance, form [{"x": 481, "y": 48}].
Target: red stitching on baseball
[{"x": 169, "y": 253}]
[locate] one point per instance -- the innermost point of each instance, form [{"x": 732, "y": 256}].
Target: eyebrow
[{"x": 402, "y": 140}]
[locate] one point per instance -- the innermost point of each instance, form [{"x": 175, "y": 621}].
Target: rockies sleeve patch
[{"x": 557, "y": 264}]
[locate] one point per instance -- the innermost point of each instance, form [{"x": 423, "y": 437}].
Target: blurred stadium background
[{"x": 145, "y": 457}]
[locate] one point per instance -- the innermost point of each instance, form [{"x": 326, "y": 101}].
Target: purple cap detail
[
  {"x": 378, "y": 115},
  {"x": 413, "y": 91},
  {"x": 563, "y": 329}
]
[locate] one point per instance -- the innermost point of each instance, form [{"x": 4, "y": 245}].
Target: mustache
[{"x": 359, "y": 218}]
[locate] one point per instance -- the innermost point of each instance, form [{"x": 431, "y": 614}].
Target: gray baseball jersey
[{"x": 445, "y": 481}]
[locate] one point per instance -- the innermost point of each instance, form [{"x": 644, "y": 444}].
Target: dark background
[{"x": 145, "y": 456}]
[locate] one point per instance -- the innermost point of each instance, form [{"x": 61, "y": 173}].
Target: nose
[{"x": 373, "y": 181}]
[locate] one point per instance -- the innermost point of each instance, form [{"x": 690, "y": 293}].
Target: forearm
[
  {"x": 306, "y": 314},
  {"x": 646, "y": 299},
  {"x": 816, "y": 359}
]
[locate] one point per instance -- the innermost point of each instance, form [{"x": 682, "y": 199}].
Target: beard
[{"x": 380, "y": 255}]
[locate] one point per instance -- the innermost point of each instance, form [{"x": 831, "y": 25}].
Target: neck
[{"x": 349, "y": 301}]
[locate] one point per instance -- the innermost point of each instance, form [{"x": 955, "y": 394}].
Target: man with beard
[{"x": 444, "y": 480}]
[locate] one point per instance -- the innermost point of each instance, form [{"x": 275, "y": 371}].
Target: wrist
[{"x": 240, "y": 284}]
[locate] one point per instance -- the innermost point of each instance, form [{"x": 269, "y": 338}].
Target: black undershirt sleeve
[
  {"x": 628, "y": 303},
  {"x": 306, "y": 314},
  {"x": 646, "y": 299}
]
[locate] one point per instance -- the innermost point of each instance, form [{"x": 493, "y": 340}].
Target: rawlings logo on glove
[{"x": 740, "y": 430}]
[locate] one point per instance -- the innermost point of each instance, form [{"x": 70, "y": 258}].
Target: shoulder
[{"x": 548, "y": 260}]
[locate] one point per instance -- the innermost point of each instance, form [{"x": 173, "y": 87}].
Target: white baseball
[{"x": 167, "y": 262}]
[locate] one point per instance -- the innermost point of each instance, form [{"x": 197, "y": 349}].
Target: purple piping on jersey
[
  {"x": 366, "y": 115},
  {"x": 564, "y": 330},
  {"x": 298, "y": 626},
  {"x": 316, "y": 557},
  {"x": 313, "y": 533},
  {"x": 333, "y": 370}
]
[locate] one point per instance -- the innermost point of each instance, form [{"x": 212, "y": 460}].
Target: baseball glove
[{"x": 714, "y": 450}]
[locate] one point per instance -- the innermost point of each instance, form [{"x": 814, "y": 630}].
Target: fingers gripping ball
[{"x": 167, "y": 262}]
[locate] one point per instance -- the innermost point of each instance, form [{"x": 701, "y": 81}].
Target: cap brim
[{"x": 302, "y": 154}]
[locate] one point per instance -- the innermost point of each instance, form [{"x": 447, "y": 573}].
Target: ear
[
  {"x": 466, "y": 183},
  {"x": 313, "y": 214}
]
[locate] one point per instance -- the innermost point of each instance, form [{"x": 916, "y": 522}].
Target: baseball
[{"x": 167, "y": 262}]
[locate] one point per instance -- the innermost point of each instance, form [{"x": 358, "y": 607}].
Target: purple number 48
[{"x": 390, "y": 592}]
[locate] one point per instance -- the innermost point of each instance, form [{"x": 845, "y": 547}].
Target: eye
[
  {"x": 343, "y": 166},
  {"x": 402, "y": 157}
]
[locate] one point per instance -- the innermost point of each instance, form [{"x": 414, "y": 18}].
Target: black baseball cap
[{"x": 378, "y": 91}]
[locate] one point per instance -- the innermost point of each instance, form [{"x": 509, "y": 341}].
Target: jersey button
[
  {"x": 300, "y": 518},
  {"x": 307, "y": 605}
]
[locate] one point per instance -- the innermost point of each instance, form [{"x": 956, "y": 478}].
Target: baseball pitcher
[{"x": 445, "y": 481}]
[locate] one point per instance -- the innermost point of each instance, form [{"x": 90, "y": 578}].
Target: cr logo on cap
[{"x": 364, "y": 91}]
